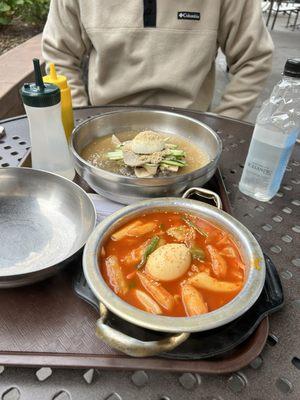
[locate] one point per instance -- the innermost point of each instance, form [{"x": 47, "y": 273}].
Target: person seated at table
[{"x": 160, "y": 52}]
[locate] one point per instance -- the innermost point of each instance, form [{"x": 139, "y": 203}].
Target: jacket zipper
[{"x": 149, "y": 13}]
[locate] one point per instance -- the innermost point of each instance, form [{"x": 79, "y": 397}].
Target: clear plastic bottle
[
  {"x": 49, "y": 147},
  {"x": 275, "y": 133}
]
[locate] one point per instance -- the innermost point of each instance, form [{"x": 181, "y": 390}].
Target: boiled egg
[{"x": 169, "y": 262}]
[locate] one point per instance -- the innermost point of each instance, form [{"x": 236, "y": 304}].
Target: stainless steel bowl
[
  {"x": 251, "y": 253},
  {"x": 127, "y": 190},
  {"x": 44, "y": 221}
]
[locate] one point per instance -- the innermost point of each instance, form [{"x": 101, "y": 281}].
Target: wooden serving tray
[{"x": 48, "y": 324}]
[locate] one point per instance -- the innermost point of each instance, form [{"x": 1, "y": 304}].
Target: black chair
[{"x": 285, "y": 7}]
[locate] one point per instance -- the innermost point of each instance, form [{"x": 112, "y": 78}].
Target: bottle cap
[
  {"x": 292, "y": 67},
  {"x": 39, "y": 94},
  {"x": 58, "y": 80}
]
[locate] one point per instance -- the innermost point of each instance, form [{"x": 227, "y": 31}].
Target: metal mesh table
[{"x": 276, "y": 225}]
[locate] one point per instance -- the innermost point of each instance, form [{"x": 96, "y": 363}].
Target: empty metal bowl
[
  {"x": 44, "y": 221},
  {"x": 127, "y": 189}
]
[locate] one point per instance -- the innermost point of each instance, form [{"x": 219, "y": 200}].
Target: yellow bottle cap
[{"x": 58, "y": 80}]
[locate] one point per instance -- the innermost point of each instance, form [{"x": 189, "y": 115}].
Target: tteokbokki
[{"x": 172, "y": 263}]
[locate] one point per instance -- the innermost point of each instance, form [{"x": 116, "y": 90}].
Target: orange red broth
[{"x": 216, "y": 237}]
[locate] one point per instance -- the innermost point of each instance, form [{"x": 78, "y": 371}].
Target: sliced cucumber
[
  {"x": 115, "y": 155},
  {"x": 177, "y": 153},
  {"x": 176, "y": 163}
]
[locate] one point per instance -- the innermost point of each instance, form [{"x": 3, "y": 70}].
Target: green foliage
[
  {"x": 32, "y": 11},
  {"x": 7, "y": 8}
]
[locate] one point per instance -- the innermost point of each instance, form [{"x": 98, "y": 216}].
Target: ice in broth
[{"x": 179, "y": 155}]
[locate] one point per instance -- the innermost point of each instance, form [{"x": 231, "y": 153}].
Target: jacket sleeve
[
  {"x": 64, "y": 43},
  {"x": 248, "y": 47}
]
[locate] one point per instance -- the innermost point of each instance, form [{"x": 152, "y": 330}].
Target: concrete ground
[{"x": 287, "y": 44}]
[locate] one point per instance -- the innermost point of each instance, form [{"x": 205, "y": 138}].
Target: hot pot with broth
[{"x": 171, "y": 265}]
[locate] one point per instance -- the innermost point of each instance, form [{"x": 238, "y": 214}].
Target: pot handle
[
  {"x": 206, "y": 193},
  {"x": 131, "y": 346}
]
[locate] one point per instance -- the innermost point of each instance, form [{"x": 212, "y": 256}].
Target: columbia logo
[{"x": 188, "y": 15}]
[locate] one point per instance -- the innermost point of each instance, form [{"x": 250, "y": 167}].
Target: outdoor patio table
[{"x": 276, "y": 225}]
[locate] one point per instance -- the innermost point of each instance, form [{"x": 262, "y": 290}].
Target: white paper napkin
[{"x": 104, "y": 207}]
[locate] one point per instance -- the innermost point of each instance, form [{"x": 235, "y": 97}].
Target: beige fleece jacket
[{"x": 171, "y": 62}]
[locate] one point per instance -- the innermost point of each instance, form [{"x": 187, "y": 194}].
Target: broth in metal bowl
[
  {"x": 130, "y": 155},
  {"x": 115, "y": 153}
]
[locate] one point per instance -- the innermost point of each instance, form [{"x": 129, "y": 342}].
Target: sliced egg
[{"x": 147, "y": 142}]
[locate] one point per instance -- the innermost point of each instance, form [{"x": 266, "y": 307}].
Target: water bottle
[
  {"x": 49, "y": 147},
  {"x": 276, "y": 130}
]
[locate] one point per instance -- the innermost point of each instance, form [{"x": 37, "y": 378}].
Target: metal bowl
[
  {"x": 250, "y": 251},
  {"x": 127, "y": 190},
  {"x": 44, "y": 221}
]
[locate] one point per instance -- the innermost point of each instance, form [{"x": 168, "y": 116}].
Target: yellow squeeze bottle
[{"x": 66, "y": 99}]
